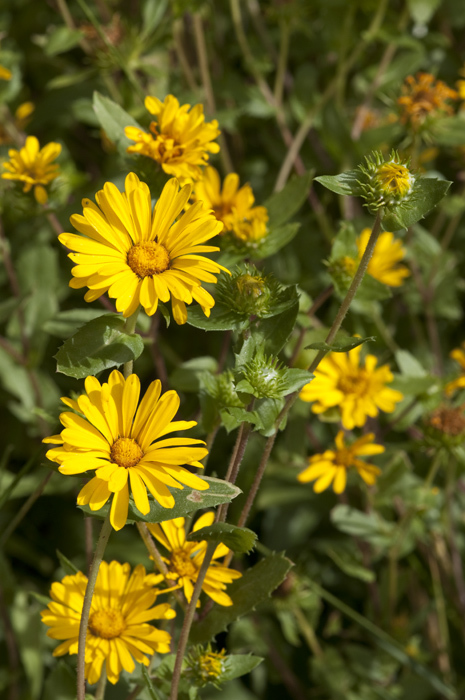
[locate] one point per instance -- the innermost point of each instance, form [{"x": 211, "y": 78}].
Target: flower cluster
[{"x": 423, "y": 97}]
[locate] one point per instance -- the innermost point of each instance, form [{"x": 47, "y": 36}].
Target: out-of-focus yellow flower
[
  {"x": 331, "y": 466},
  {"x": 21, "y": 120},
  {"x": 5, "y": 73},
  {"x": 357, "y": 391},
  {"x": 118, "y": 630},
  {"x": 180, "y": 139},
  {"x": 458, "y": 354},
  {"x": 186, "y": 558},
  {"x": 384, "y": 264},
  {"x": 424, "y": 96},
  {"x": 33, "y": 166},
  {"x": 233, "y": 205}
]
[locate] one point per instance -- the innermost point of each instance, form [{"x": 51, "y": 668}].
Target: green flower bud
[
  {"x": 221, "y": 387},
  {"x": 385, "y": 183},
  {"x": 247, "y": 292},
  {"x": 264, "y": 378}
]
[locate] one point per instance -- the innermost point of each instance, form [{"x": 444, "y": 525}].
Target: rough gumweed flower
[
  {"x": 249, "y": 293},
  {"x": 385, "y": 183}
]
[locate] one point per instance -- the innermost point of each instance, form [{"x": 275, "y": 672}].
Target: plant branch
[{"x": 159, "y": 563}]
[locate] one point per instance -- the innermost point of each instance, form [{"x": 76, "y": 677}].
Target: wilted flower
[{"x": 424, "y": 96}]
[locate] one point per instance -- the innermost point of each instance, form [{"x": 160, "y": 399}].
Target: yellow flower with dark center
[
  {"x": 424, "y": 96},
  {"x": 458, "y": 354},
  {"x": 118, "y": 630},
  {"x": 388, "y": 252},
  {"x": 233, "y": 205},
  {"x": 394, "y": 180},
  {"x": 357, "y": 391},
  {"x": 179, "y": 139},
  {"x": 142, "y": 256},
  {"x": 5, "y": 73},
  {"x": 186, "y": 559},
  {"x": 110, "y": 434},
  {"x": 331, "y": 466},
  {"x": 33, "y": 166}
]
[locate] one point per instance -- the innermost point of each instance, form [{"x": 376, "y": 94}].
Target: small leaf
[
  {"x": 255, "y": 586},
  {"x": 274, "y": 332},
  {"x": 113, "y": 120},
  {"x": 427, "y": 193},
  {"x": 68, "y": 567},
  {"x": 61, "y": 40},
  {"x": 345, "y": 183},
  {"x": 100, "y": 344},
  {"x": 284, "y": 204},
  {"x": 349, "y": 564},
  {"x": 276, "y": 239},
  {"x": 240, "y": 539},
  {"x": 188, "y": 500},
  {"x": 237, "y": 665},
  {"x": 343, "y": 345},
  {"x": 220, "y": 319}
]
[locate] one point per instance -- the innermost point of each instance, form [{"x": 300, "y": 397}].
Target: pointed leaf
[
  {"x": 284, "y": 204},
  {"x": 240, "y": 539},
  {"x": 113, "y": 120},
  {"x": 68, "y": 567},
  {"x": 345, "y": 183},
  {"x": 427, "y": 192},
  {"x": 342, "y": 345}
]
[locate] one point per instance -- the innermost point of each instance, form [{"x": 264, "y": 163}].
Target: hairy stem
[
  {"x": 159, "y": 563},
  {"x": 129, "y": 328}
]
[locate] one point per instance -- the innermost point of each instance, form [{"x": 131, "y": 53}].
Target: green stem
[
  {"x": 129, "y": 328},
  {"x": 188, "y": 619},
  {"x": 282, "y": 61},
  {"x": 93, "y": 573},
  {"x": 159, "y": 563},
  {"x": 100, "y": 692}
]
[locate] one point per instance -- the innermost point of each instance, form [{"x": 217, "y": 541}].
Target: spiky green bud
[{"x": 385, "y": 183}]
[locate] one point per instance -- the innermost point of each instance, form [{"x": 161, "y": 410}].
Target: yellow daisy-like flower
[
  {"x": 384, "y": 264},
  {"x": 458, "y": 354},
  {"x": 424, "y": 96},
  {"x": 5, "y": 73},
  {"x": 118, "y": 630},
  {"x": 186, "y": 559},
  {"x": 331, "y": 466},
  {"x": 110, "y": 434},
  {"x": 357, "y": 391},
  {"x": 233, "y": 205},
  {"x": 180, "y": 140},
  {"x": 33, "y": 166},
  {"x": 142, "y": 256}
]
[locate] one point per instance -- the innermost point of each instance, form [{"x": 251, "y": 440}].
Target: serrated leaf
[
  {"x": 100, "y": 344},
  {"x": 284, "y": 204},
  {"x": 188, "y": 500},
  {"x": 240, "y": 539},
  {"x": 427, "y": 193},
  {"x": 255, "y": 586},
  {"x": 113, "y": 120},
  {"x": 344, "y": 183},
  {"x": 68, "y": 567},
  {"x": 343, "y": 345}
]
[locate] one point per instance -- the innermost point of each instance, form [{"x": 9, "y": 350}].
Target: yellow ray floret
[
  {"x": 118, "y": 631},
  {"x": 33, "y": 166},
  {"x": 384, "y": 263},
  {"x": 458, "y": 354},
  {"x": 179, "y": 139},
  {"x": 186, "y": 559},
  {"x": 121, "y": 441},
  {"x": 143, "y": 256},
  {"x": 233, "y": 205},
  {"x": 331, "y": 466},
  {"x": 357, "y": 391}
]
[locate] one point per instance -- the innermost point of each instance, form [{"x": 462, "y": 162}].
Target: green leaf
[
  {"x": 68, "y": 567},
  {"x": 344, "y": 244},
  {"x": 284, "y": 204},
  {"x": 409, "y": 365},
  {"x": 61, "y": 683},
  {"x": 448, "y": 131},
  {"x": 148, "y": 684},
  {"x": 61, "y": 40},
  {"x": 349, "y": 564},
  {"x": 274, "y": 332},
  {"x": 345, "y": 183},
  {"x": 65, "y": 323},
  {"x": 113, "y": 120},
  {"x": 42, "y": 599},
  {"x": 255, "y": 586},
  {"x": 100, "y": 344},
  {"x": 342, "y": 345},
  {"x": 233, "y": 416},
  {"x": 188, "y": 500},
  {"x": 427, "y": 193},
  {"x": 237, "y": 665},
  {"x": 421, "y": 11},
  {"x": 276, "y": 239},
  {"x": 240, "y": 539},
  {"x": 368, "y": 526},
  {"x": 220, "y": 319}
]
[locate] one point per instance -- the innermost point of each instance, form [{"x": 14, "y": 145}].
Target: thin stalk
[
  {"x": 93, "y": 573},
  {"x": 100, "y": 692},
  {"x": 188, "y": 619},
  {"x": 68, "y": 20},
  {"x": 152, "y": 549},
  {"x": 441, "y": 612},
  {"x": 157, "y": 356},
  {"x": 182, "y": 58},
  {"x": 307, "y": 632},
  {"x": 129, "y": 328},
  {"x": 24, "y": 510},
  {"x": 89, "y": 541},
  {"x": 319, "y": 301},
  {"x": 54, "y": 223},
  {"x": 282, "y": 61},
  {"x": 234, "y": 465}
]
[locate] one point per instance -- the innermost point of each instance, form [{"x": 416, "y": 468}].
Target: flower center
[
  {"x": 107, "y": 623},
  {"x": 395, "y": 179},
  {"x": 183, "y": 564},
  {"x": 344, "y": 458},
  {"x": 146, "y": 259},
  {"x": 126, "y": 452},
  {"x": 354, "y": 384}
]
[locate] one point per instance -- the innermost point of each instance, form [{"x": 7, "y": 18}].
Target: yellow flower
[
  {"x": 211, "y": 664},
  {"x": 232, "y": 205},
  {"x": 357, "y": 391},
  {"x": 394, "y": 179},
  {"x": 142, "y": 256},
  {"x": 180, "y": 140},
  {"x": 186, "y": 559},
  {"x": 331, "y": 466},
  {"x": 118, "y": 631},
  {"x": 388, "y": 252},
  {"x": 424, "y": 96},
  {"x": 33, "y": 166},
  {"x": 109, "y": 434},
  {"x": 458, "y": 354},
  {"x": 5, "y": 73}
]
